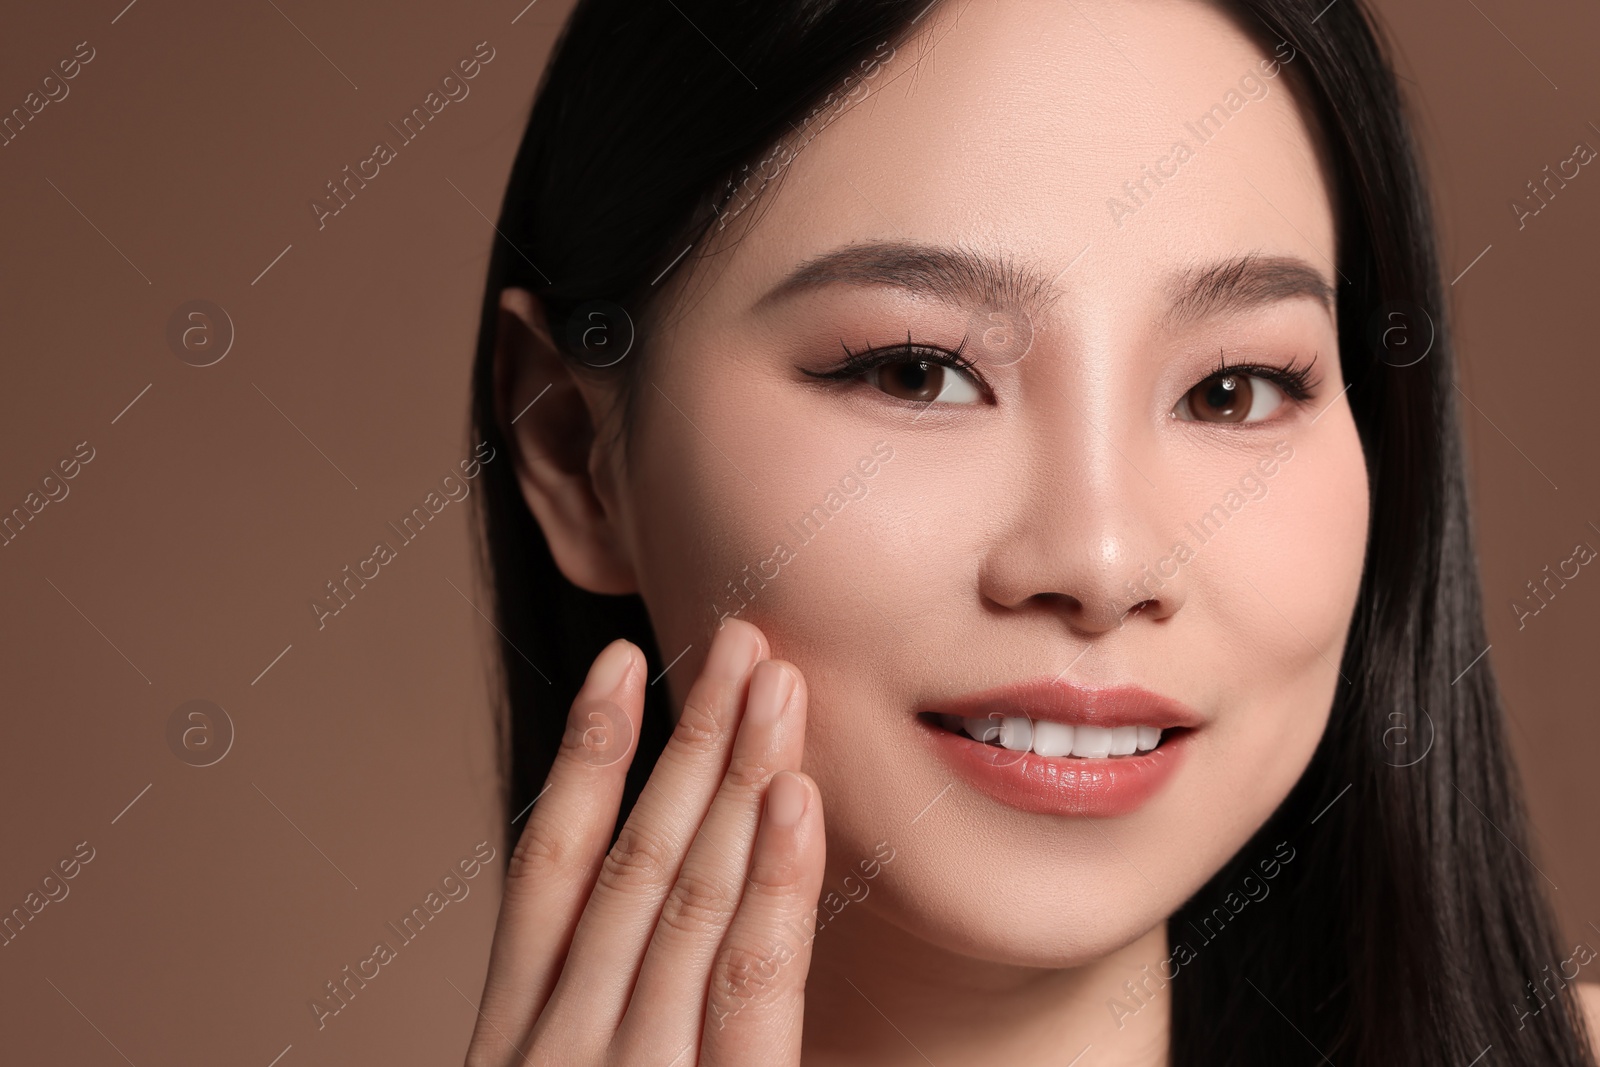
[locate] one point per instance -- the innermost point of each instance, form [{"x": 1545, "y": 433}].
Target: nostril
[{"x": 1140, "y": 606}]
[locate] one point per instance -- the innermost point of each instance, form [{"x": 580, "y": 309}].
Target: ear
[{"x": 550, "y": 415}]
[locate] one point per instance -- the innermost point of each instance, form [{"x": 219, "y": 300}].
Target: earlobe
[{"x": 550, "y": 418}]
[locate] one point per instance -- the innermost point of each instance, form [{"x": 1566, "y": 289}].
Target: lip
[
  {"x": 1055, "y": 785},
  {"x": 1076, "y": 705}
]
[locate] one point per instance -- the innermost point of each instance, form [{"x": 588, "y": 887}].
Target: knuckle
[
  {"x": 745, "y": 976},
  {"x": 747, "y": 776},
  {"x": 639, "y": 860},
  {"x": 777, "y": 876},
  {"x": 698, "y": 725},
  {"x": 698, "y": 904},
  {"x": 541, "y": 847}
]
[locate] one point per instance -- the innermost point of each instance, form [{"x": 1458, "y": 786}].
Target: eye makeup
[
  {"x": 1296, "y": 380},
  {"x": 937, "y": 373}
]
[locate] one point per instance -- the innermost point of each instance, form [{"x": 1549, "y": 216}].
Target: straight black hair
[{"x": 1405, "y": 922}]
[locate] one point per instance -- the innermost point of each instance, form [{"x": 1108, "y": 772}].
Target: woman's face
[{"x": 1088, "y": 507}]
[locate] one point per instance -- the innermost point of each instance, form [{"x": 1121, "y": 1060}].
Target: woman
[{"x": 991, "y": 425}]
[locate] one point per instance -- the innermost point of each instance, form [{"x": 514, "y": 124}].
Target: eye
[
  {"x": 916, "y": 373},
  {"x": 924, "y": 381},
  {"x": 1230, "y": 397}
]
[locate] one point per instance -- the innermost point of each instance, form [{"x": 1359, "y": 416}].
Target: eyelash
[
  {"x": 859, "y": 362},
  {"x": 1295, "y": 380}
]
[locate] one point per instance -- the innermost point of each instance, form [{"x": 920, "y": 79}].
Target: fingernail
[
  {"x": 609, "y": 667},
  {"x": 770, "y": 686},
  {"x": 786, "y": 799},
  {"x": 733, "y": 651}
]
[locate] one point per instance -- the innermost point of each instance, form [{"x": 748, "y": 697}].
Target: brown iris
[
  {"x": 918, "y": 380},
  {"x": 1222, "y": 398}
]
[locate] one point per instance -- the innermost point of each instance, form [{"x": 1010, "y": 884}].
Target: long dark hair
[{"x": 1408, "y": 925}]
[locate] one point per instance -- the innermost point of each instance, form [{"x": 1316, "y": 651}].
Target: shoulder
[{"x": 1589, "y": 999}]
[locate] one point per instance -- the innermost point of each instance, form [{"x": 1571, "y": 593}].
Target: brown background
[{"x": 181, "y": 564}]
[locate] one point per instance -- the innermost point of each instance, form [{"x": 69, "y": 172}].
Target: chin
[
  {"x": 974, "y": 875},
  {"x": 1048, "y": 918}
]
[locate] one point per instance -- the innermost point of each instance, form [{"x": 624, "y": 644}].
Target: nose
[{"x": 1089, "y": 543}]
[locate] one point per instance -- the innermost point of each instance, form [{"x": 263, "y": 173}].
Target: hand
[{"x": 689, "y": 941}]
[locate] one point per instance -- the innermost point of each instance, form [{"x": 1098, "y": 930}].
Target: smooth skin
[{"x": 1000, "y": 542}]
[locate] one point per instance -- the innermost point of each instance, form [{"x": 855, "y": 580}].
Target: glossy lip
[
  {"x": 1076, "y": 705},
  {"x": 1066, "y": 785}
]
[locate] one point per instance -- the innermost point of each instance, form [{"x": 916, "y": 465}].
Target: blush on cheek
[
  {"x": 1301, "y": 550},
  {"x": 1301, "y": 547},
  {"x": 719, "y": 548}
]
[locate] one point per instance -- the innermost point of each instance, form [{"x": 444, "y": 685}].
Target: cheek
[
  {"x": 860, "y": 591},
  {"x": 1279, "y": 597},
  {"x": 1298, "y": 564},
  {"x": 756, "y": 508}
]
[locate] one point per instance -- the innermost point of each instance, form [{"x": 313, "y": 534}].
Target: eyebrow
[
  {"x": 965, "y": 277},
  {"x": 954, "y": 275},
  {"x": 1244, "y": 283}
]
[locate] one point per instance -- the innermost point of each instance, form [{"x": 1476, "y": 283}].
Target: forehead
[{"x": 1091, "y": 141}]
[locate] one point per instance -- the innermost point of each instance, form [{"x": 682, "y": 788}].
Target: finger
[
  {"x": 755, "y": 1002},
  {"x": 559, "y": 852},
  {"x": 609, "y": 941},
  {"x": 669, "y": 999}
]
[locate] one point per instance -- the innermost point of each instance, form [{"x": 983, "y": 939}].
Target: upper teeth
[{"x": 1046, "y": 738}]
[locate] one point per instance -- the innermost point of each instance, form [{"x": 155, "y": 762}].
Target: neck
[{"x": 879, "y": 995}]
